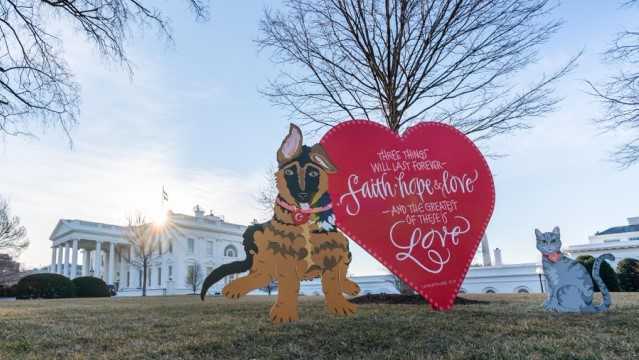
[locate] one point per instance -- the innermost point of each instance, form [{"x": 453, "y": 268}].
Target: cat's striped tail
[{"x": 602, "y": 286}]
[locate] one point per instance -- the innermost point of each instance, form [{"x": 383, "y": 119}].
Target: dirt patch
[{"x": 405, "y": 299}]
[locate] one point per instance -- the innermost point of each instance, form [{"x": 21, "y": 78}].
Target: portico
[
  {"x": 97, "y": 244},
  {"x": 84, "y": 248}
]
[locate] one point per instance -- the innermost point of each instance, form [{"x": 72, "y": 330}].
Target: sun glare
[{"x": 159, "y": 219}]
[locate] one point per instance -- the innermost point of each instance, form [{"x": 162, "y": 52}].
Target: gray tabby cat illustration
[{"x": 571, "y": 287}]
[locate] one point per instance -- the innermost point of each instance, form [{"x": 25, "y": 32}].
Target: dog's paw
[
  {"x": 283, "y": 313},
  {"x": 350, "y": 287},
  {"x": 234, "y": 291},
  {"x": 341, "y": 307}
]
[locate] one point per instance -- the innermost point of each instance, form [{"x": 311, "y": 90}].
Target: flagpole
[{"x": 164, "y": 199}]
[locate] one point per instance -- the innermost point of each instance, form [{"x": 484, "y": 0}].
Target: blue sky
[{"x": 192, "y": 119}]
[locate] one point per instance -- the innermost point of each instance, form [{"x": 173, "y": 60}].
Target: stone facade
[{"x": 103, "y": 249}]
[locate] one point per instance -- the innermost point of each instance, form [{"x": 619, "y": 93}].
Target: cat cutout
[{"x": 570, "y": 286}]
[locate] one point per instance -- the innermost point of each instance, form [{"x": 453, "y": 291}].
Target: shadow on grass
[{"x": 400, "y": 299}]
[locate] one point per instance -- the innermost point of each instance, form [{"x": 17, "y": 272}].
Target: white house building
[
  {"x": 621, "y": 241},
  {"x": 103, "y": 249},
  {"x": 209, "y": 241},
  {"x": 489, "y": 277}
]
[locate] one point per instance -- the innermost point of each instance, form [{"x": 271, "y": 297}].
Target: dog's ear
[
  {"x": 319, "y": 156},
  {"x": 291, "y": 146}
]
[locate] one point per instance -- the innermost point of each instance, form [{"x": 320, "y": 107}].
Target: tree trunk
[{"x": 144, "y": 267}]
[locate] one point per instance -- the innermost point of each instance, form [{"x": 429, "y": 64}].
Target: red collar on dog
[
  {"x": 301, "y": 215},
  {"x": 553, "y": 257}
]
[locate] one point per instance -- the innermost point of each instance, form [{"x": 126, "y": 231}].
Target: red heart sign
[{"x": 419, "y": 203}]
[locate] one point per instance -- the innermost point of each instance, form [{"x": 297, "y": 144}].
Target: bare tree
[
  {"x": 195, "y": 276},
  {"x": 12, "y": 234},
  {"x": 401, "y": 286},
  {"x": 620, "y": 95},
  {"x": 145, "y": 240},
  {"x": 407, "y": 60},
  {"x": 36, "y": 83},
  {"x": 268, "y": 193},
  {"x": 272, "y": 285}
]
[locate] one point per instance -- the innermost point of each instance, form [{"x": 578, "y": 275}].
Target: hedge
[
  {"x": 606, "y": 272},
  {"x": 7, "y": 291},
  {"x": 628, "y": 273},
  {"x": 44, "y": 286},
  {"x": 89, "y": 286}
]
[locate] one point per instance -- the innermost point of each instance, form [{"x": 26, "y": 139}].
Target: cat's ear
[
  {"x": 538, "y": 233},
  {"x": 556, "y": 230}
]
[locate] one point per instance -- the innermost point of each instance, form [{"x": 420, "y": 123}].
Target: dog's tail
[
  {"x": 237, "y": 266},
  {"x": 602, "y": 286}
]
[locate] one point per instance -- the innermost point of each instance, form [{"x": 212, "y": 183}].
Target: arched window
[
  {"x": 230, "y": 251},
  {"x": 490, "y": 290},
  {"x": 522, "y": 290}
]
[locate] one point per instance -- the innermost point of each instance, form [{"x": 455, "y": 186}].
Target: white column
[
  {"x": 65, "y": 268},
  {"x": 74, "y": 259},
  {"x": 97, "y": 267},
  {"x": 123, "y": 269},
  {"x": 105, "y": 266},
  {"x": 134, "y": 274},
  {"x": 58, "y": 268},
  {"x": 85, "y": 262},
  {"x": 111, "y": 263},
  {"x": 52, "y": 268}
]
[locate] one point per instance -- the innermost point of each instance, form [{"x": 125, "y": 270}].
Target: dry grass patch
[{"x": 508, "y": 327}]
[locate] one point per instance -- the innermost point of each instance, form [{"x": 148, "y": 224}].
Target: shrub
[
  {"x": 46, "y": 286},
  {"x": 7, "y": 291},
  {"x": 89, "y": 286},
  {"x": 628, "y": 274},
  {"x": 606, "y": 272}
]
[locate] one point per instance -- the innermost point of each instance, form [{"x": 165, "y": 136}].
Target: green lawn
[{"x": 509, "y": 327}]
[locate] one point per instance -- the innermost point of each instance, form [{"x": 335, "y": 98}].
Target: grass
[{"x": 509, "y": 327}]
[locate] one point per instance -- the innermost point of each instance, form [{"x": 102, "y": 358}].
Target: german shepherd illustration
[{"x": 300, "y": 242}]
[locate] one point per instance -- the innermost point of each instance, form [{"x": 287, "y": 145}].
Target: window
[
  {"x": 160, "y": 247},
  {"x": 191, "y": 245},
  {"x": 128, "y": 279},
  {"x": 139, "y": 279},
  {"x": 170, "y": 272},
  {"x": 209, "y": 248},
  {"x": 149, "y": 277},
  {"x": 634, "y": 238},
  {"x": 171, "y": 246},
  {"x": 611, "y": 240},
  {"x": 119, "y": 257},
  {"x": 523, "y": 291},
  {"x": 230, "y": 251},
  {"x": 490, "y": 291},
  {"x": 159, "y": 276},
  {"x": 190, "y": 274}
]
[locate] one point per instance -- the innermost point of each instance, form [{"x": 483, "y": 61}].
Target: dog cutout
[{"x": 300, "y": 242}]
